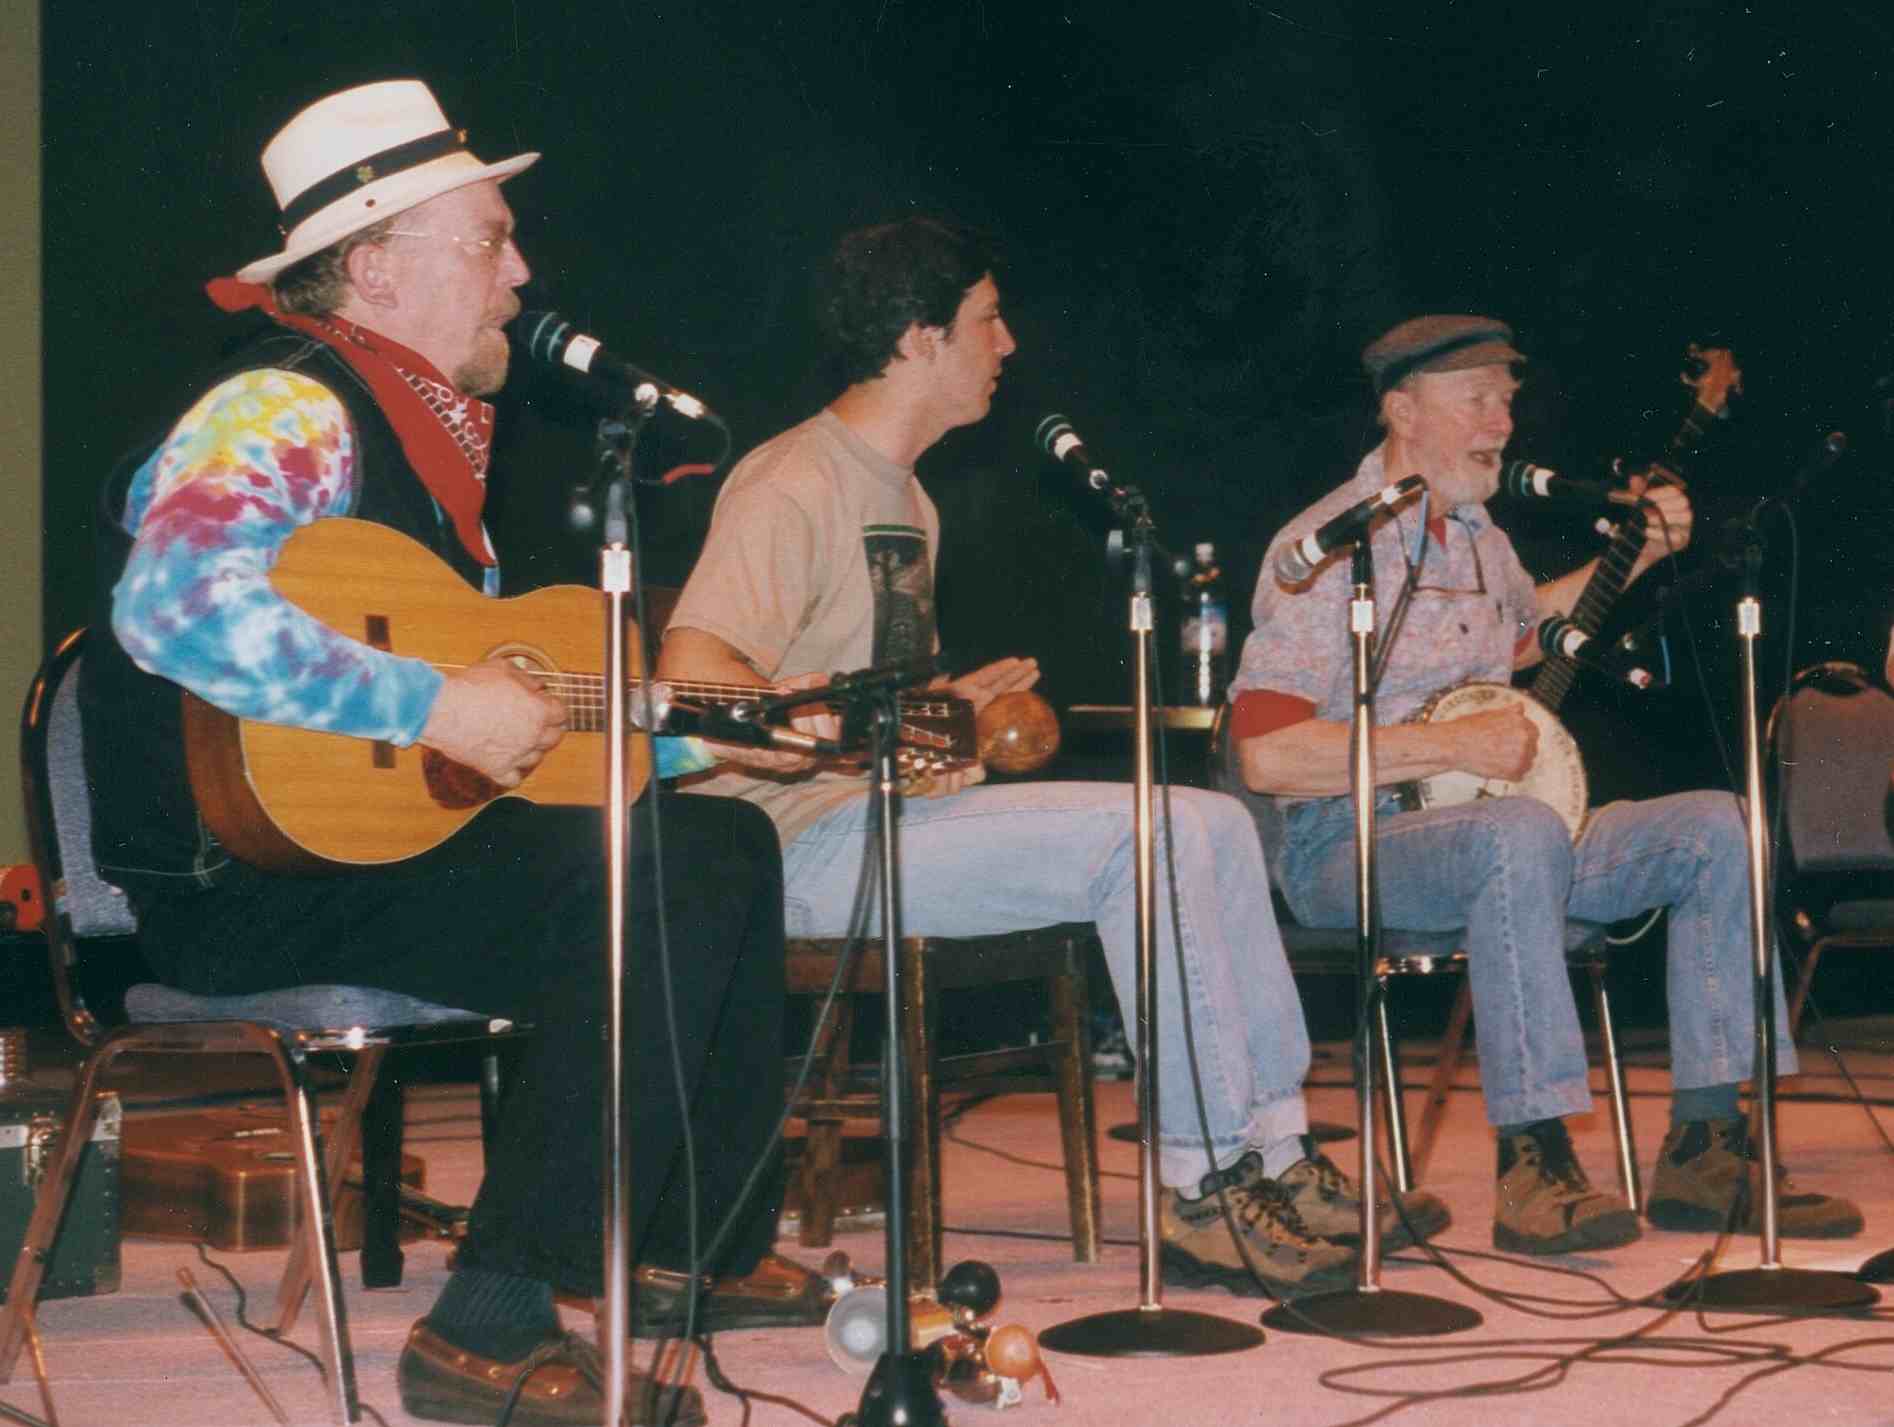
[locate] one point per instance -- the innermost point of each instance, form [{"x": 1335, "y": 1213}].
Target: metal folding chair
[
  {"x": 287, "y": 1027},
  {"x": 1833, "y": 740}
]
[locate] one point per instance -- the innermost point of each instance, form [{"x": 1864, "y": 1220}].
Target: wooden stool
[{"x": 931, "y": 965}]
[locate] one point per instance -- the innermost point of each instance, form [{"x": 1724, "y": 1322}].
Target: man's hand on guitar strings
[{"x": 495, "y": 718}]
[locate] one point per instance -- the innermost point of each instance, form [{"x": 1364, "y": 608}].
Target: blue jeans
[
  {"x": 1009, "y": 857},
  {"x": 1507, "y": 871}
]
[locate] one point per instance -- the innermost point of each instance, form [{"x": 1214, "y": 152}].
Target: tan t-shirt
[{"x": 820, "y": 559}]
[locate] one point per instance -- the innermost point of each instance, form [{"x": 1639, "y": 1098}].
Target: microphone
[
  {"x": 1741, "y": 535},
  {"x": 1298, "y": 562},
  {"x": 1058, "y": 440},
  {"x": 743, "y": 723},
  {"x": 1560, "y": 638},
  {"x": 548, "y": 337},
  {"x": 1523, "y": 479},
  {"x": 736, "y": 723},
  {"x": 1830, "y": 449}
]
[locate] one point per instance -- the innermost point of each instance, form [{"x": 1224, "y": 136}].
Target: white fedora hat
[{"x": 360, "y": 156}]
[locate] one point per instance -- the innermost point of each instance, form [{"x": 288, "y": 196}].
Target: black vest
[{"x": 146, "y": 833}]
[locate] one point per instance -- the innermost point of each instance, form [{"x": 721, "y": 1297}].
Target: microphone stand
[
  {"x": 900, "y": 1390},
  {"x": 617, "y": 436},
  {"x": 1150, "y": 1329},
  {"x": 1770, "y": 1287},
  {"x": 1367, "y": 1309}
]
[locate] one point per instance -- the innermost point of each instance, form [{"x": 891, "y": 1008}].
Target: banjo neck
[
  {"x": 1714, "y": 376},
  {"x": 1558, "y": 673}
]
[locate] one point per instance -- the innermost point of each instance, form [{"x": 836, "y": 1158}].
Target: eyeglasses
[
  {"x": 1479, "y": 570},
  {"x": 488, "y": 248}
]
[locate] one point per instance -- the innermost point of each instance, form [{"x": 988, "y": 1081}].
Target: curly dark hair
[{"x": 880, "y": 280}]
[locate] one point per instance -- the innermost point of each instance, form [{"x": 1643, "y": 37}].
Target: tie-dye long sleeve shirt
[{"x": 257, "y": 457}]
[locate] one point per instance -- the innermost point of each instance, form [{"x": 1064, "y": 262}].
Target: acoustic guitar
[
  {"x": 1557, "y": 776},
  {"x": 297, "y": 800}
]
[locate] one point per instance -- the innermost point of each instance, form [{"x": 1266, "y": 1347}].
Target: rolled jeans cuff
[
  {"x": 1182, "y": 1163},
  {"x": 1548, "y": 1102}
]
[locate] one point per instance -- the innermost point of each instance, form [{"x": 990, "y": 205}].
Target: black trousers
[{"x": 506, "y": 919}]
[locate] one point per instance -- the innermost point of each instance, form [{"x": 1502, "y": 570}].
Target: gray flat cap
[{"x": 1437, "y": 344}]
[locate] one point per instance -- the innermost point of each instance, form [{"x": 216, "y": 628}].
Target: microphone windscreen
[{"x": 539, "y": 333}]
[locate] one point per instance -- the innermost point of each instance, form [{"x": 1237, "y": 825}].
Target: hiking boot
[
  {"x": 1708, "y": 1180},
  {"x": 1544, "y": 1204},
  {"x": 1289, "y": 1261},
  {"x": 1330, "y": 1206}
]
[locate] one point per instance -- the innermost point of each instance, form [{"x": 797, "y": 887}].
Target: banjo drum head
[{"x": 1557, "y": 775}]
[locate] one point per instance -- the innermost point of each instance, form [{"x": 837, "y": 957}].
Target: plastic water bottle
[{"x": 1205, "y": 633}]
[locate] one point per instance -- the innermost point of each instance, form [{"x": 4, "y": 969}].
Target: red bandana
[{"x": 446, "y": 434}]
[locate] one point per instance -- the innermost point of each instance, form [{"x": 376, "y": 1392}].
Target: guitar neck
[{"x": 584, "y": 698}]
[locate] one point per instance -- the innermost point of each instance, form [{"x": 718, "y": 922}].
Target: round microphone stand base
[
  {"x": 1372, "y": 1313},
  {"x": 1774, "y": 1290},
  {"x": 1879, "y": 1269},
  {"x": 900, "y": 1393},
  {"x": 1150, "y": 1333}
]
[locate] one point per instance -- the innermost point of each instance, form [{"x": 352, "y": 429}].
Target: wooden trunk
[{"x": 225, "y": 1178}]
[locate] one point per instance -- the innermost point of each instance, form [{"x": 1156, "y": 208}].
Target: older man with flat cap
[
  {"x": 1455, "y": 605},
  {"x": 361, "y": 396}
]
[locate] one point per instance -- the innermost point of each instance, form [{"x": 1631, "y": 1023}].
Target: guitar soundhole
[
  {"x": 453, "y": 785},
  {"x": 529, "y": 657}
]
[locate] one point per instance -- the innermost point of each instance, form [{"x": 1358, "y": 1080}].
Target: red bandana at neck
[{"x": 446, "y": 434}]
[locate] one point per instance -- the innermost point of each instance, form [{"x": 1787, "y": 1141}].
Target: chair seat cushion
[
  {"x": 304, "y": 1008},
  {"x": 1859, "y": 917}
]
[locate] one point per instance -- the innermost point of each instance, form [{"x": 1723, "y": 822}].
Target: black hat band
[
  {"x": 1395, "y": 373},
  {"x": 362, "y": 172}
]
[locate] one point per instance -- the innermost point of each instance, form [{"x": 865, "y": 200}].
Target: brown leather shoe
[
  {"x": 558, "y": 1385},
  {"x": 777, "y": 1293}
]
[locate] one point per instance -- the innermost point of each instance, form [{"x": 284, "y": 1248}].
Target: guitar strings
[{"x": 583, "y": 695}]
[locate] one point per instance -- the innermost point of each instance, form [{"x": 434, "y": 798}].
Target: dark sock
[
  {"x": 493, "y": 1314},
  {"x": 1704, "y": 1102}
]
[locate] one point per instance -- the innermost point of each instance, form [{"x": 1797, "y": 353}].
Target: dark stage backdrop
[{"x": 1208, "y": 210}]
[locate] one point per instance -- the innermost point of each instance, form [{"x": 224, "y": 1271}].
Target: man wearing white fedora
[{"x": 387, "y": 308}]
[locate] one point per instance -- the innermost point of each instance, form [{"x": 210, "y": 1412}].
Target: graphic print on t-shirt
[{"x": 902, "y": 581}]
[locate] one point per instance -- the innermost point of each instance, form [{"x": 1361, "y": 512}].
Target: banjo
[{"x": 1557, "y": 775}]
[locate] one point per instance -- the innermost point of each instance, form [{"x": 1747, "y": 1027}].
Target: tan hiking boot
[
  {"x": 1708, "y": 1180},
  {"x": 1329, "y": 1204},
  {"x": 1198, "y": 1249},
  {"x": 1544, "y": 1204}
]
